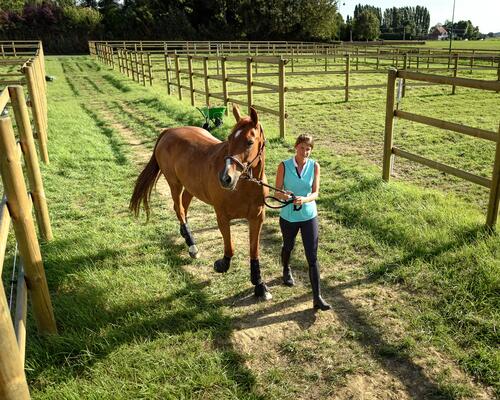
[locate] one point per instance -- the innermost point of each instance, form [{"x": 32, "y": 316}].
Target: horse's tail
[{"x": 145, "y": 183}]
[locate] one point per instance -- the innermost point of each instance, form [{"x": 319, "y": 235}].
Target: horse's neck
[{"x": 259, "y": 170}]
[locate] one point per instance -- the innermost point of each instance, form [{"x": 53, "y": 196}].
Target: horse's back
[{"x": 191, "y": 136}]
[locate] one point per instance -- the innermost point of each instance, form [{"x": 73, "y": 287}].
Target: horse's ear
[
  {"x": 236, "y": 112},
  {"x": 254, "y": 116}
]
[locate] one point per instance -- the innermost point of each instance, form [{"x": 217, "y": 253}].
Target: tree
[
  {"x": 358, "y": 9},
  {"x": 366, "y": 26}
]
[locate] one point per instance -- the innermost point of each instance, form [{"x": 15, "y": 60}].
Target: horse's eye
[{"x": 250, "y": 143}]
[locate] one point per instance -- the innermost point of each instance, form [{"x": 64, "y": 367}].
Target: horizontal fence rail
[{"x": 390, "y": 151}]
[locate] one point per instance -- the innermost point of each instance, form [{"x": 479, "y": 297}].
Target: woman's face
[{"x": 303, "y": 150}]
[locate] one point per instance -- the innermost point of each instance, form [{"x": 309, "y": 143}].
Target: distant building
[{"x": 438, "y": 33}]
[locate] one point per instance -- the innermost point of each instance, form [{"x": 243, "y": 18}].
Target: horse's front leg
[
  {"x": 222, "y": 265},
  {"x": 261, "y": 291}
]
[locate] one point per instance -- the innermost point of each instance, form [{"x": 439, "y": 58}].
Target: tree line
[
  {"x": 65, "y": 26},
  {"x": 403, "y": 23}
]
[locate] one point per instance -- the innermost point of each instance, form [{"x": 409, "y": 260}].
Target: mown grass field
[{"x": 412, "y": 275}]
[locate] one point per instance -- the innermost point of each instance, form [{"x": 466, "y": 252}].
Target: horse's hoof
[
  {"x": 221, "y": 266},
  {"x": 193, "y": 251},
  {"x": 262, "y": 292}
]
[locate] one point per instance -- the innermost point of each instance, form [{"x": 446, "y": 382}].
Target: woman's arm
[
  {"x": 314, "y": 191},
  {"x": 280, "y": 176}
]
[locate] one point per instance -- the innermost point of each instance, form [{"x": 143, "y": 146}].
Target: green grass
[
  {"x": 412, "y": 275},
  {"x": 489, "y": 44}
]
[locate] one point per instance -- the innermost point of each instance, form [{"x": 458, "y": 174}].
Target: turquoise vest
[{"x": 299, "y": 187}]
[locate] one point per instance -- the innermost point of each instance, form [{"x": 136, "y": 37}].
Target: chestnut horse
[{"x": 197, "y": 164}]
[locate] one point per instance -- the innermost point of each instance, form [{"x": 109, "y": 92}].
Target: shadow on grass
[
  {"x": 393, "y": 359},
  {"x": 92, "y": 327},
  {"x": 116, "y": 83},
  {"x": 400, "y": 234}
]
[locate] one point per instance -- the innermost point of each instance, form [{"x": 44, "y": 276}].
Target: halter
[{"x": 246, "y": 173}]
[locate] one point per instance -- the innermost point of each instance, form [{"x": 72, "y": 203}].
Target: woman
[{"x": 299, "y": 176}]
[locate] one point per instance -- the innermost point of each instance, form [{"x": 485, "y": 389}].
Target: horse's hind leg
[{"x": 176, "y": 189}]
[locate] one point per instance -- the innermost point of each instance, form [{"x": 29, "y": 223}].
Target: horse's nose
[{"x": 225, "y": 179}]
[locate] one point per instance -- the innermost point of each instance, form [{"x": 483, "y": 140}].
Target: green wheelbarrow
[{"x": 215, "y": 115}]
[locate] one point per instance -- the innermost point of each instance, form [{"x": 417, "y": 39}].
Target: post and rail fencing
[
  {"x": 182, "y": 65},
  {"x": 302, "y": 60},
  {"x": 16, "y": 207},
  {"x": 136, "y": 65},
  {"x": 28, "y": 56},
  {"x": 390, "y": 151}
]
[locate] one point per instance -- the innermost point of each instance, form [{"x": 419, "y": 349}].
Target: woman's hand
[
  {"x": 299, "y": 200},
  {"x": 284, "y": 196}
]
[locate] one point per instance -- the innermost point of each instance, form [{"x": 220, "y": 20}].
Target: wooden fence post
[
  {"x": 455, "y": 71},
  {"x": 389, "y": 123},
  {"x": 31, "y": 160},
  {"x": 20, "y": 212},
  {"x": 142, "y": 69},
  {"x": 13, "y": 385},
  {"x": 36, "y": 108},
  {"x": 498, "y": 71},
  {"x": 150, "y": 70},
  {"x": 347, "y": 68},
  {"x": 191, "y": 82},
  {"x": 136, "y": 64},
  {"x": 405, "y": 63},
  {"x": 472, "y": 61},
  {"x": 132, "y": 72},
  {"x": 224, "y": 83},
  {"x": 249, "y": 84},
  {"x": 492, "y": 215},
  {"x": 167, "y": 73},
  {"x": 120, "y": 61},
  {"x": 282, "y": 105},
  {"x": 207, "y": 86},
  {"x": 125, "y": 62},
  {"x": 178, "y": 75},
  {"x": 378, "y": 57}
]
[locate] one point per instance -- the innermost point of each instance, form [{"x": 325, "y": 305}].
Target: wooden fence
[
  {"x": 135, "y": 64},
  {"x": 16, "y": 206},
  {"x": 285, "y": 48},
  {"x": 173, "y": 66},
  {"x": 28, "y": 56},
  {"x": 390, "y": 151},
  {"x": 178, "y": 66}
]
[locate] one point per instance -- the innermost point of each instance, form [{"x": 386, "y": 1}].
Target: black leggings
[{"x": 308, "y": 231}]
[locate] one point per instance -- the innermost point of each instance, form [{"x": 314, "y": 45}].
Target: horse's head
[{"x": 245, "y": 148}]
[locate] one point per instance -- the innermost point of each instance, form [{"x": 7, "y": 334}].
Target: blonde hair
[{"x": 304, "y": 138}]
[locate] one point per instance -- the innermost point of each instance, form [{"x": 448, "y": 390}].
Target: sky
[{"x": 482, "y": 13}]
